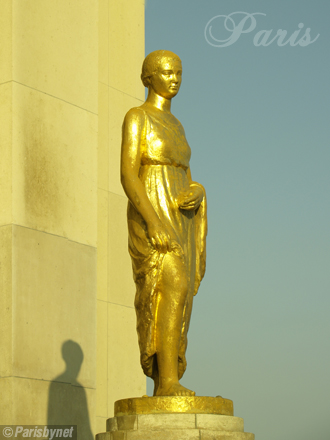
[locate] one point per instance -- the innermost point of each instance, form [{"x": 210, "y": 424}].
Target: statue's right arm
[{"x": 133, "y": 187}]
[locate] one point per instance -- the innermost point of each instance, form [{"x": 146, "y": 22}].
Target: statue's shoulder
[
  {"x": 135, "y": 117},
  {"x": 177, "y": 123},
  {"x": 135, "y": 114}
]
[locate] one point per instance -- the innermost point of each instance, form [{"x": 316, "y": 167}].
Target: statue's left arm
[{"x": 196, "y": 200}]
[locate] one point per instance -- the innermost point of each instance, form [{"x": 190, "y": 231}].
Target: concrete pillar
[
  {"x": 121, "y": 53},
  {"x": 68, "y": 344}
]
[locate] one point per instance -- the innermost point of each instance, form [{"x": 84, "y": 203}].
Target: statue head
[{"x": 152, "y": 62}]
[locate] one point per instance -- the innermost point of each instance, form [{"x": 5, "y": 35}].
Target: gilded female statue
[{"x": 166, "y": 223}]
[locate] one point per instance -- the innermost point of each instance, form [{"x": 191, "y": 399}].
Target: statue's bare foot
[{"x": 175, "y": 389}]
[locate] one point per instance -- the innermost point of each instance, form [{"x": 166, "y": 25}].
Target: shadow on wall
[{"x": 67, "y": 402}]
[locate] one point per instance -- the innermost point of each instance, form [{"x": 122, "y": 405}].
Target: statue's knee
[
  {"x": 175, "y": 277},
  {"x": 180, "y": 289}
]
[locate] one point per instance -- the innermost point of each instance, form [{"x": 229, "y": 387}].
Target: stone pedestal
[{"x": 175, "y": 418}]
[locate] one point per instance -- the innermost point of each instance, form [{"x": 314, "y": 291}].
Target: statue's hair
[{"x": 151, "y": 63}]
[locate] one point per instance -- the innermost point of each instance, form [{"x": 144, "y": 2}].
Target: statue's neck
[{"x": 158, "y": 101}]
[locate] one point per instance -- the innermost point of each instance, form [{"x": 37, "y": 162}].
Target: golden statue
[{"x": 167, "y": 224}]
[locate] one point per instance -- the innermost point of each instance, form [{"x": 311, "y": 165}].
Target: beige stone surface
[
  {"x": 54, "y": 166},
  {"x": 112, "y": 424},
  {"x": 126, "y": 19},
  {"x": 103, "y": 138},
  {"x": 104, "y": 436},
  {"x": 60, "y": 114},
  {"x": 213, "y": 435},
  {"x": 54, "y": 289},
  {"x": 6, "y": 41},
  {"x": 119, "y": 104},
  {"x": 56, "y": 49},
  {"x": 178, "y": 426},
  {"x": 127, "y": 423},
  {"x": 121, "y": 287},
  {"x": 102, "y": 244},
  {"x": 219, "y": 422},
  {"x": 175, "y": 434},
  {"x": 119, "y": 89},
  {"x": 6, "y": 339},
  {"x": 176, "y": 421},
  {"x": 100, "y": 423},
  {"x": 124, "y": 371},
  {"x": 6, "y": 407},
  {"x": 165, "y": 421},
  {"x": 74, "y": 405},
  {"x": 165, "y": 434},
  {"x": 119, "y": 435},
  {"x": 6, "y": 151},
  {"x": 52, "y": 403},
  {"x": 104, "y": 41},
  {"x": 102, "y": 364}
]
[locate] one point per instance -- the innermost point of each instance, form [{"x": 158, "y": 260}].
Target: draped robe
[{"x": 165, "y": 156}]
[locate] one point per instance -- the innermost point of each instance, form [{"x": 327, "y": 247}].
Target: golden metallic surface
[
  {"x": 170, "y": 405},
  {"x": 167, "y": 224}
]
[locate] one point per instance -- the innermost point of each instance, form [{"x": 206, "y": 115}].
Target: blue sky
[{"x": 257, "y": 120}]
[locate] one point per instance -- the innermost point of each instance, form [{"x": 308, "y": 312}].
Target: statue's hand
[
  {"x": 193, "y": 199},
  {"x": 159, "y": 237}
]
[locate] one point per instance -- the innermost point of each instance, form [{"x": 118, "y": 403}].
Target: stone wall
[{"x": 69, "y": 71}]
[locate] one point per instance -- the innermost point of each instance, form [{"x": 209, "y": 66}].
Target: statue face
[{"x": 167, "y": 80}]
